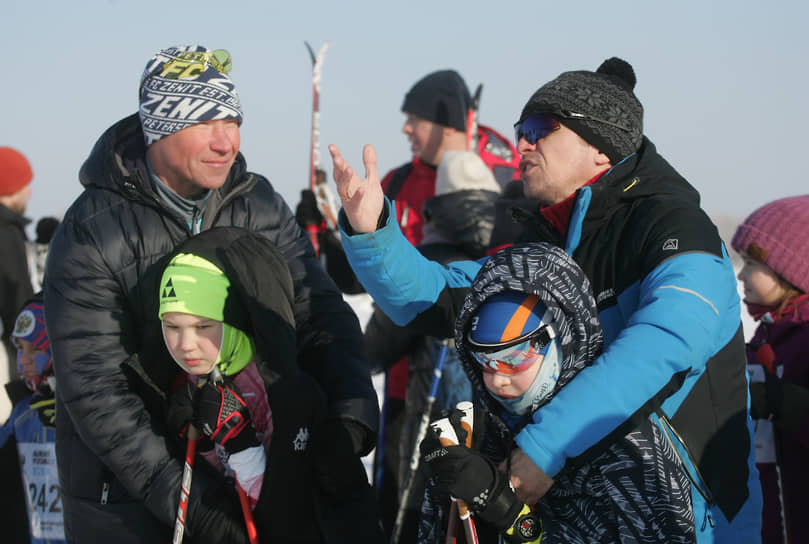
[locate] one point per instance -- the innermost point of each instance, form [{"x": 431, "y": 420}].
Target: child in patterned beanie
[{"x": 29, "y": 434}]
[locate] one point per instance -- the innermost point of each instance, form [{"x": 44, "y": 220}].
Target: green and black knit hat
[
  {"x": 193, "y": 285},
  {"x": 238, "y": 277},
  {"x": 599, "y": 106}
]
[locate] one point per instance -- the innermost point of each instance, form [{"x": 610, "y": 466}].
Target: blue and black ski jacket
[{"x": 670, "y": 311}]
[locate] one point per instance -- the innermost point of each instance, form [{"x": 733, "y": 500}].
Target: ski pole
[
  {"x": 467, "y": 423},
  {"x": 252, "y": 533},
  {"x": 447, "y": 437},
  {"x": 472, "y": 121},
  {"x": 247, "y": 511},
  {"x": 379, "y": 454},
  {"x": 185, "y": 485},
  {"x": 314, "y": 162},
  {"x": 420, "y": 434}
]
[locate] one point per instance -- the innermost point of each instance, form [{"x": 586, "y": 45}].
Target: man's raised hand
[{"x": 362, "y": 199}]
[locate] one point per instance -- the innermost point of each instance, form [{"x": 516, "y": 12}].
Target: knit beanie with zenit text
[{"x": 185, "y": 85}]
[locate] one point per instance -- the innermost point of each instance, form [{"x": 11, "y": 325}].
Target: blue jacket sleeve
[
  {"x": 684, "y": 311},
  {"x": 399, "y": 278}
]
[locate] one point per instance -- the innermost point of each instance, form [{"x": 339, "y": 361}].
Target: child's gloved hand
[
  {"x": 46, "y": 410},
  {"x": 221, "y": 415},
  {"x": 181, "y": 414},
  {"x": 466, "y": 474}
]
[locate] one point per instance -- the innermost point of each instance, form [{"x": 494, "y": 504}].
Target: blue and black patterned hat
[{"x": 185, "y": 85}]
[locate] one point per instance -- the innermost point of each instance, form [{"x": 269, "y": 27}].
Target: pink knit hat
[
  {"x": 776, "y": 235},
  {"x": 15, "y": 172}
]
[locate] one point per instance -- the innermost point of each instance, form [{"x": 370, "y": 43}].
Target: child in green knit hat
[
  {"x": 226, "y": 298},
  {"x": 193, "y": 295}
]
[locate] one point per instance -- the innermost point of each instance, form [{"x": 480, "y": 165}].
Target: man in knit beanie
[
  {"x": 15, "y": 278},
  {"x": 155, "y": 178},
  {"x": 662, "y": 278}
]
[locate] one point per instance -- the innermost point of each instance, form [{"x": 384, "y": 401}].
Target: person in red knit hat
[
  {"x": 15, "y": 278},
  {"x": 773, "y": 243}
]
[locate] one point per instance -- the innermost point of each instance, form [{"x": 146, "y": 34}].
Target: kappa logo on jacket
[{"x": 301, "y": 440}]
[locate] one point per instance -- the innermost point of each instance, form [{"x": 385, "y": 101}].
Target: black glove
[
  {"x": 759, "y": 408},
  {"x": 307, "y": 212},
  {"x": 214, "y": 512},
  {"x": 468, "y": 475},
  {"x": 181, "y": 414},
  {"x": 339, "y": 471},
  {"x": 47, "y": 411},
  {"x": 221, "y": 415}
]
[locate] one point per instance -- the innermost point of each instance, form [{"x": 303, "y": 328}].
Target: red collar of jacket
[
  {"x": 770, "y": 314},
  {"x": 558, "y": 215}
]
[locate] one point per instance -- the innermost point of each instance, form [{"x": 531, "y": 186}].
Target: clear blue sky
[{"x": 724, "y": 84}]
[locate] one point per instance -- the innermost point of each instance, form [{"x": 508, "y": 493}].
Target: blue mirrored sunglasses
[
  {"x": 535, "y": 127},
  {"x": 539, "y": 125}
]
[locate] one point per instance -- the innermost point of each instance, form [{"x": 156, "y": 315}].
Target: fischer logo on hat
[{"x": 185, "y": 85}]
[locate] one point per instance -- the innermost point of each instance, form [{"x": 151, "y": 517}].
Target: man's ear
[{"x": 602, "y": 160}]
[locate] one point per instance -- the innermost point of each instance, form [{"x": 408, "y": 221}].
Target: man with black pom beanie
[{"x": 662, "y": 279}]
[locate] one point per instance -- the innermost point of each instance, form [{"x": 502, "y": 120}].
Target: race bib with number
[
  {"x": 763, "y": 439},
  {"x": 42, "y": 488}
]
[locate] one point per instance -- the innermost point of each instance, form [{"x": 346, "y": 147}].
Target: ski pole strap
[{"x": 526, "y": 528}]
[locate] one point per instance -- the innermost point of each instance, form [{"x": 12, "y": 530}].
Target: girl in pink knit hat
[{"x": 774, "y": 244}]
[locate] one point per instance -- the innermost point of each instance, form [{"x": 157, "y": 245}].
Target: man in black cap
[
  {"x": 436, "y": 112},
  {"x": 436, "y": 109},
  {"x": 660, "y": 273}
]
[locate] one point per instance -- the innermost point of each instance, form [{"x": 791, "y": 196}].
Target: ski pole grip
[
  {"x": 467, "y": 420},
  {"x": 446, "y": 434},
  {"x": 192, "y": 433}
]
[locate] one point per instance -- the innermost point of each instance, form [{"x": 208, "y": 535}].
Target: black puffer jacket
[
  {"x": 15, "y": 281},
  {"x": 102, "y": 278}
]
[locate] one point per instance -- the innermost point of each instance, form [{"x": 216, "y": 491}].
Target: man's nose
[{"x": 523, "y": 146}]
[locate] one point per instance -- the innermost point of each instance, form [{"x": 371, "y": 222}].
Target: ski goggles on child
[{"x": 514, "y": 356}]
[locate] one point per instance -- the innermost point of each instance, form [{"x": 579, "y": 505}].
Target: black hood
[{"x": 262, "y": 287}]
